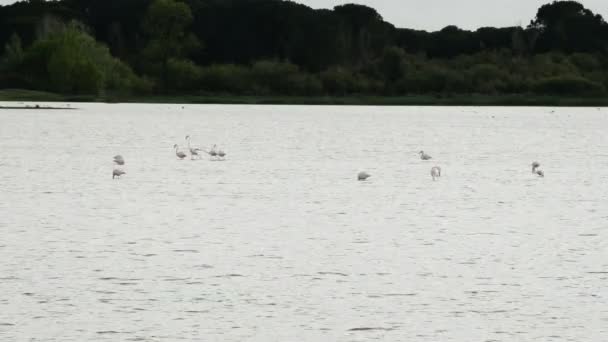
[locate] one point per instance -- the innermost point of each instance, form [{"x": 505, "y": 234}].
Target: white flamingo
[
  {"x": 178, "y": 153},
  {"x": 213, "y": 152},
  {"x": 363, "y": 176},
  {"x": 193, "y": 151},
  {"x": 435, "y": 172},
  {"x": 424, "y": 156},
  {"x": 221, "y": 154},
  {"x": 535, "y": 166},
  {"x": 117, "y": 173},
  {"x": 119, "y": 160}
]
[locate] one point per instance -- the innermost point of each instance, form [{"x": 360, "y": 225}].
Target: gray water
[{"x": 280, "y": 242}]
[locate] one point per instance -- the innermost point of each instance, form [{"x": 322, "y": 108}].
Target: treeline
[{"x": 275, "y": 47}]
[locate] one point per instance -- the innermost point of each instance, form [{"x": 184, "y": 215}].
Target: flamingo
[
  {"x": 193, "y": 151},
  {"x": 221, "y": 154},
  {"x": 178, "y": 153},
  {"x": 119, "y": 160},
  {"x": 424, "y": 156},
  {"x": 363, "y": 176},
  {"x": 212, "y": 153},
  {"x": 435, "y": 172},
  {"x": 535, "y": 166},
  {"x": 117, "y": 173}
]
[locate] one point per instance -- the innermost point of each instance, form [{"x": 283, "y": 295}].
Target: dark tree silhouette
[{"x": 285, "y": 48}]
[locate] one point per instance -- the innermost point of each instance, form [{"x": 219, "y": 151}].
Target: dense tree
[
  {"x": 13, "y": 53},
  {"x": 71, "y": 61},
  {"x": 569, "y": 26},
  {"x": 166, "y": 24},
  {"x": 285, "y": 48}
]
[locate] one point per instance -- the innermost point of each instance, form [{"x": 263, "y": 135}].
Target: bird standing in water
[
  {"x": 363, "y": 176},
  {"x": 424, "y": 156},
  {"x": 213, "y": 152},
  {"x": 535, "y": 166},
  {"x": 193, "y": 151},
  {"x": 117, "y": 173},
  {"x": 435, "y": 172},
  {"x": 178, "y": 153},
  {"x": 119, "y": 160},
  {"x": 221, "y": 154}
]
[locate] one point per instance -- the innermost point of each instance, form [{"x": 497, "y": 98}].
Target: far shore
[{"x": 18, "y": 95}]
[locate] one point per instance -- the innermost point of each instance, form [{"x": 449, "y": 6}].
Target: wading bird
[
  {"x": 363, "y": 176},
  {"x": 117, "y": 173},
  {"x": 435, "y": 172},
  {"x": 178, "y": 153},
  {"x": 119, "y": 160},
  {"x": 221, "y": 154},
  {"x": 424, "y": 156},
  {"x": 193, "y": 151},
  {"x": 212, "y": 153},
  {"x": 535, "y": 166}
]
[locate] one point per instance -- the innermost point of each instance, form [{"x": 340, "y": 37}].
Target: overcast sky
[
  {"x": 469, "y": 14},
  {"x": 436, "y": 14}
]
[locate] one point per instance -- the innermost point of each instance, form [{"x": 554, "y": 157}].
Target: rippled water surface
[{"x": 280, "y": 242}]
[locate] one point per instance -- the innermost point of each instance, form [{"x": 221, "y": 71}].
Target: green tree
[
  {"x": 392, "y": 64},
  {"x": 166, "y": 24},
  {"x": 71, "y": 61},
  {"x": 568, "y": 85},
  {"x": 183, "y": 74},
  {"x": 569, "y": 26},
  {"x": 13, "y": 53}
]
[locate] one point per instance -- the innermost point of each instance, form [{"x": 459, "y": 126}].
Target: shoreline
[
  {"x": 37, "y": 107},
  {"x": 18, "y": 95}
]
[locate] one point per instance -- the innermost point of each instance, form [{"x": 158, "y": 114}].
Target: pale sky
[
  {"x": 436, "y": 14},
  {"x": 467, "y": 14}
]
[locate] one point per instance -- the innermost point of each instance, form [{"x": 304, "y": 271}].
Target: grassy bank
[{"x": 414, "y": 100}]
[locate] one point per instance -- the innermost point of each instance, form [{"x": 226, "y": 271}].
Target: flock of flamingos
[
  {"x": 218, "y": 154},
  {"x": 195, "y": 153},
  {"x": 436, "y": 170}
]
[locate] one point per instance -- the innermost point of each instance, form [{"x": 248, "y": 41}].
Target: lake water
[{"x": 280, "y": 242}]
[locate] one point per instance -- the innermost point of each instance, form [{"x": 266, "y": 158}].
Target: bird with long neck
[
  {"x": 178, "y": 153},
  {"x": 362, "y": 176},
  {"x": 435, "y": 172},
  {"x": 193, "y": 151},
  {"x": 424, "y": 156},
  {"x": 213, "y": 152},
  {"x": 117, "y": 173},
  {"x": 119, "y": 160},
  {"x": 221, "y": 154},
  {"x": 535, "y": 166}
]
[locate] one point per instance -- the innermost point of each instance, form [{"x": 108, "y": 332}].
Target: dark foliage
[{"x": 276, "y": 47}]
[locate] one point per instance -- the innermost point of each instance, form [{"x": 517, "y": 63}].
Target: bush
[
  {"x": 71, "y": 61},
  {"x": 585, "y": 62},
  {"x": 282, "y": 78},
  {"x": 568, "y": 85},
  {"x": 230, "y": 78},
  {"x": 340, "y": 81},
  {"x": 183, "y": 74}
]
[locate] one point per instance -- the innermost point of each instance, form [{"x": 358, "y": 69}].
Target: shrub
[
  {"x": 183, "y": 74},
  {"x": 230, "y": 78},
  {"x": 568, "y": 85}
]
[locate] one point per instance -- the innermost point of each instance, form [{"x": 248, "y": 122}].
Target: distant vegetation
[{"x": 281, "y": 48}]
